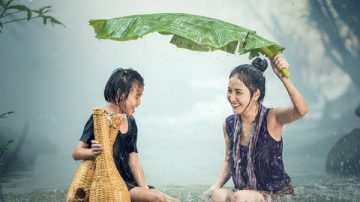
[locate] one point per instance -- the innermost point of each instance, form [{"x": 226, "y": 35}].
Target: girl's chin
[{"x": 130, "y": 113}]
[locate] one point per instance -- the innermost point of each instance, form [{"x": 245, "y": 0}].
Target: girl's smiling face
[
  {"x": 238, "y": 95},
  {"x": 134, "y": 99}
]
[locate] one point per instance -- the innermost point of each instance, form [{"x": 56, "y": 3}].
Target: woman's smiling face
[{"x": 238, "y": 95}]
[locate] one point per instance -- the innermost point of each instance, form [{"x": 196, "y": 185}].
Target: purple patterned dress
[{"x": 268, "y": 166}]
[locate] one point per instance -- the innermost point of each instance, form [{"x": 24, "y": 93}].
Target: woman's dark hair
[
  {"x": 252, "y": 76},
  {"x": 120, "y": 84}
]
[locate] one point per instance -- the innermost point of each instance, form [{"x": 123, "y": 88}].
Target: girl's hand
[
  {"x": 278, "y": 63},
  {"x": 208, "y": 193},
  {"x": 96, "y": 147}
]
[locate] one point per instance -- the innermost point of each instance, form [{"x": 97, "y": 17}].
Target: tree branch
[
  {"x": 20, "y": 19},
  {"x": 7, "y": 14}
]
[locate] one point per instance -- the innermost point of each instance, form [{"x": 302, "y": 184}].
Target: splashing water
[{"x": 320, "y": 188}]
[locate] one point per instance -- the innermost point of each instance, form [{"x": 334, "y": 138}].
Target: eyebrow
[{"x": 236, "y": 89}]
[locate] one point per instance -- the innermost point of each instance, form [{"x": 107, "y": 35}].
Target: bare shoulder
[{"x": 226, "y": 135}]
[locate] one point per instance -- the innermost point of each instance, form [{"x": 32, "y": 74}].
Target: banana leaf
[{"x": 191, "y": 32}]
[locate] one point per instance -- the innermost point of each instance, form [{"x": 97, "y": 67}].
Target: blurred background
[{"x": 52, "y": 77}]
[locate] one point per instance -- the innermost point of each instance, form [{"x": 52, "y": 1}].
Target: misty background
[{"x": 53, "y": 76}]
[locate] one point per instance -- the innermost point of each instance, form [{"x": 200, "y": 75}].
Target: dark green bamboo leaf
[
  {"x": 44, "y": 10},
  {"x": 9, "y": 142},
  {"x": 54, "y": 21},
  {"x": 37, "y": 11},
  {"x": 7, "y": 4},
  {"x": 22, "y": 8},
  {"x": 6, "y": 113}
]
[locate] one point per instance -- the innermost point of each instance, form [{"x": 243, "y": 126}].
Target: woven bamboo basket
[
  {"x": 108, "y": 184},
  {"x": 99, "y": 179},
  {"x": 80, "y": 186}
]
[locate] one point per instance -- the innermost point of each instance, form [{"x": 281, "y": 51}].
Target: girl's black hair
[
  {"x": 252, "y": 76},
  {"x": 120, "y": 84}
]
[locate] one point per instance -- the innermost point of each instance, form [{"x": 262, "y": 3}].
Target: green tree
[
  {"x": 4, "y": 147},
  {"x": 12, "y": 12},
  {"x": 338, "y": 22}
]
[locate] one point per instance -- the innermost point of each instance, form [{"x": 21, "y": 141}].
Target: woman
[{"x": 253, "y": 141}]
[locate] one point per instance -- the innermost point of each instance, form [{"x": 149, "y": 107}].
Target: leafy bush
[{"x": 11, "y": 12}]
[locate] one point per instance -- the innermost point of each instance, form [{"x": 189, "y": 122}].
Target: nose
[{"x": 231, "y": 97}]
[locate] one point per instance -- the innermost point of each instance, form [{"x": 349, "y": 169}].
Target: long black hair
[
  {"x": 120, "y": 84},
  {"x": 252, "y": 76}
]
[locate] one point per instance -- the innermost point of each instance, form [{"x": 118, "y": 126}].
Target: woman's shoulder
[
  {"x": 230, "y": 119},
  {"x": 229, "y": 124}
]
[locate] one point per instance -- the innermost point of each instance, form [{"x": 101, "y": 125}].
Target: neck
[
  {"x": 111, "y": 107},
  {"x": 249, "y": 115}
]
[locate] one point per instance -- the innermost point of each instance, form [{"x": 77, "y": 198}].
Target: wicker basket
[
  {"x": 80, "y": 186},
  {"x": 108, "y": 184},
  {"x": 100, "y": 180}
]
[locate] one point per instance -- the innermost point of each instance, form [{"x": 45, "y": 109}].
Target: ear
[
  {"x": 120, "y": 95},
  {"x": 256, "y": 95}
]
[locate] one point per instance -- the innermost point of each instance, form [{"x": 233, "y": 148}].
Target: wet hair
[
  {"x": 120, "y": 84},
  {"x": 252, "y": 76}
]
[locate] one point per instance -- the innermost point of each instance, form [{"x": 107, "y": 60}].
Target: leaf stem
[{"x": 20, "y": 19}]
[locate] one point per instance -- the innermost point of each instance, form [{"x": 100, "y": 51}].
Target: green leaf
[
  {"x": 44, "y": 20},
  {"x": 7, "y": 4},
  {"x": 4, "y": 147},
  {"x": 9, "y": 142},
  {"x": 192, "y": 32},
  {"x": 37, "y": 12},
  {"x": 6, "y": 113},
  {"x": 44, "y": 10},
  {"x": 22, "y": 8},
  {"x": 54, "y": 21}
]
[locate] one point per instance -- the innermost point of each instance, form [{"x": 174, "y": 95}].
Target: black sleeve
[
  {"x": 132, "y": 145},
  {"x": 88, "y": 133}
]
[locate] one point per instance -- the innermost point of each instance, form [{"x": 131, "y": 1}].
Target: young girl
[
  {"x": 123, "y": 92},
  {"x": 253, "y": 142}
]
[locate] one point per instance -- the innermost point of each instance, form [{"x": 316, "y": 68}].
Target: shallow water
[{"x": 320, "y": 188}]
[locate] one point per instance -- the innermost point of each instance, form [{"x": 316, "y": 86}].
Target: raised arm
[
  {"x": 137, "y": 170},
  {"x": 299, "y": 107}
]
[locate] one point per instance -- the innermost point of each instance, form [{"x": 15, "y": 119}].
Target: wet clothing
[
  {"x": 288, "y": 190},
  {"x": 243, "y": 163},
  {"x": 268, "y": 164},
  {"x": 131, "y": 185},
  {"x": 124, "y": 144}
]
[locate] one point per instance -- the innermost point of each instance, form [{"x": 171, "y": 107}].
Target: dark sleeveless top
[{"x": 269, "y": 166}]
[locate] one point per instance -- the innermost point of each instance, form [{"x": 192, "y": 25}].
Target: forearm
[
  {"x": 83, "y": 154},
  {"x": 138, "y": 173},
  {"x": 297, "y": 99},
  {"x": 223, "y": 176}
]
